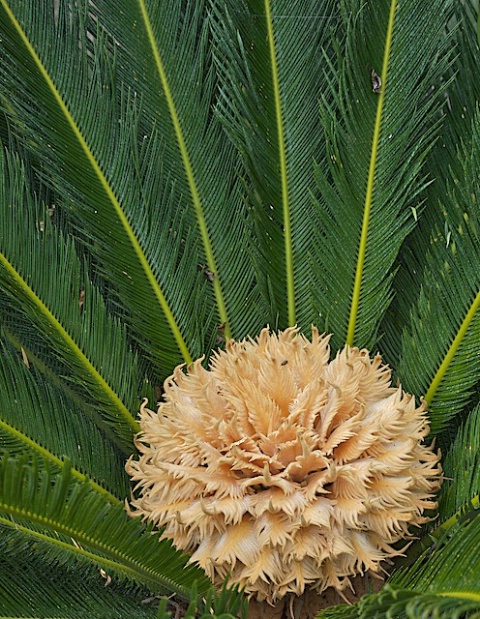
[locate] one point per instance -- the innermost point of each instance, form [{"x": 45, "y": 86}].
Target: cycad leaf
[
  {"x": 396, "y": 603},
  {"x": 102, "y": 172},
  {"x": 461, "y": 466},
  {"x": 30, "y": 587},
  {"x": 269, "y": 56},
  {"x": 440, "y": 348},
  {"x": 44, "y": 280},
  {"x": 36, "y": 418},
  {"x": 442, "y": 583},
  {"x": 457, "y": 115},
  {"x": 70, "y": 521},
  {"x": 164, "y": 53},
  {"x": 452, "y": 567},
  {"x": 377, "y": 143}
]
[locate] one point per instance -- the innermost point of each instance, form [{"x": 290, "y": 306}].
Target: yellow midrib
[
  {"x": 70, "y": 344},
  {"x": 452, "y": 351},
  {"x": 287, "y": 226},
  {"x": 189, "y": 173},
  {"x": 362, "y": 250}
]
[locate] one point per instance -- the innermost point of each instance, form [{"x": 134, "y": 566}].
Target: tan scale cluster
[{"x": 282, "y": 469}]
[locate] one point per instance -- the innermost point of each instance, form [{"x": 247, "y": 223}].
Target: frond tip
[{"x": 283, "y": 469}]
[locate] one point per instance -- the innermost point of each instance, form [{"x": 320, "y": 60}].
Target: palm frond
[
  {"x": 458, "y": 111},
  {"x": 179, "y": 94},
  {"x": 442, "y": 582},
  {"x": 101, "y": 172},
  {"x": 440, "y": 347},
  {"x": 73, "y": 592},
  {"x": 43, "y": 279},
  {"x": 269, "y": 57},
  {"x": 396, "y": 603},
  {"x": 452, "y": 565},
  {"x": 461, "y": 488},
  {"x": 69, "y": 521},
  {"x": 376, "y": 142},
  {"x": 37, "y": 419}
]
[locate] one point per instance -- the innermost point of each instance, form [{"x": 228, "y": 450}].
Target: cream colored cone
[{"x": 282, "y": 469}]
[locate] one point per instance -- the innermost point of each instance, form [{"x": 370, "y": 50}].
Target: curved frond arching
[
  {"x": 71, "y": 520},
  {"x": 452, "y": 566},
  {"x": 442, "y": 582},
  {"x": 99, "y": 162},
  {"x": 38, "y": 420},
  {"x": 395, "y": 602},
  {"x": 74, "y": 592}
]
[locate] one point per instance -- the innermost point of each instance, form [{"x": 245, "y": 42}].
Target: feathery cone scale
[{"x": 282, "y": 469}]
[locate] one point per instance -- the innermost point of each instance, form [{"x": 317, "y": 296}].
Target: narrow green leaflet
[
  {"x": 43, "y": 279},
  {"x": 74, "y": 592},
  {"x": 37, "y": 419},
  {"x": 461, "y": 467},
  {"x": 393, "y": 603},
  {"x": 443, "y": 583},
  {"x": 164, "y": 52}
]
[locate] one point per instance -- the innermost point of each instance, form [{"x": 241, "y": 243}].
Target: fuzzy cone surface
[{"x": 282, "y": 469}]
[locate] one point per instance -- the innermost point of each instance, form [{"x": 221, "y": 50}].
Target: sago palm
[{"x": 178, "y": 175}]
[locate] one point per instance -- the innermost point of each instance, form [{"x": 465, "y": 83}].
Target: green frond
[
  {"x": 442, "y": 582},
  {"x": 440, "y": 346},
  {"x": 461, "y": 467},
  {"x": 149, "y": 28},
  {"x": 163, "y": 53},
  {"x": 31, "y": 587},
  {"x": 69, "y": 522},
  {"x": 377, "y": 139},
  {"x": 395, "y": 603},
  {"x": 98, "y": 171},
  {"x": 37, "y": 419},
  {"x": 462, "y": 92},
  {"x": 269, "y": 57},
  {"x": 452, "y": 567},
  {"x": 43, "y": 280}
]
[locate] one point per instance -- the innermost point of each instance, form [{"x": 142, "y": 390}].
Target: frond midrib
[
  {"x": 120, "y": 563},
  {"x": 189, "y": 173},
  {"x": 453, "y": 349},
  {"x": 287, "y": 227},
  {"x": 362, "y": 249},
  {"x": 70, "y": 344},
  {"x": 50, "y": 457}
]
